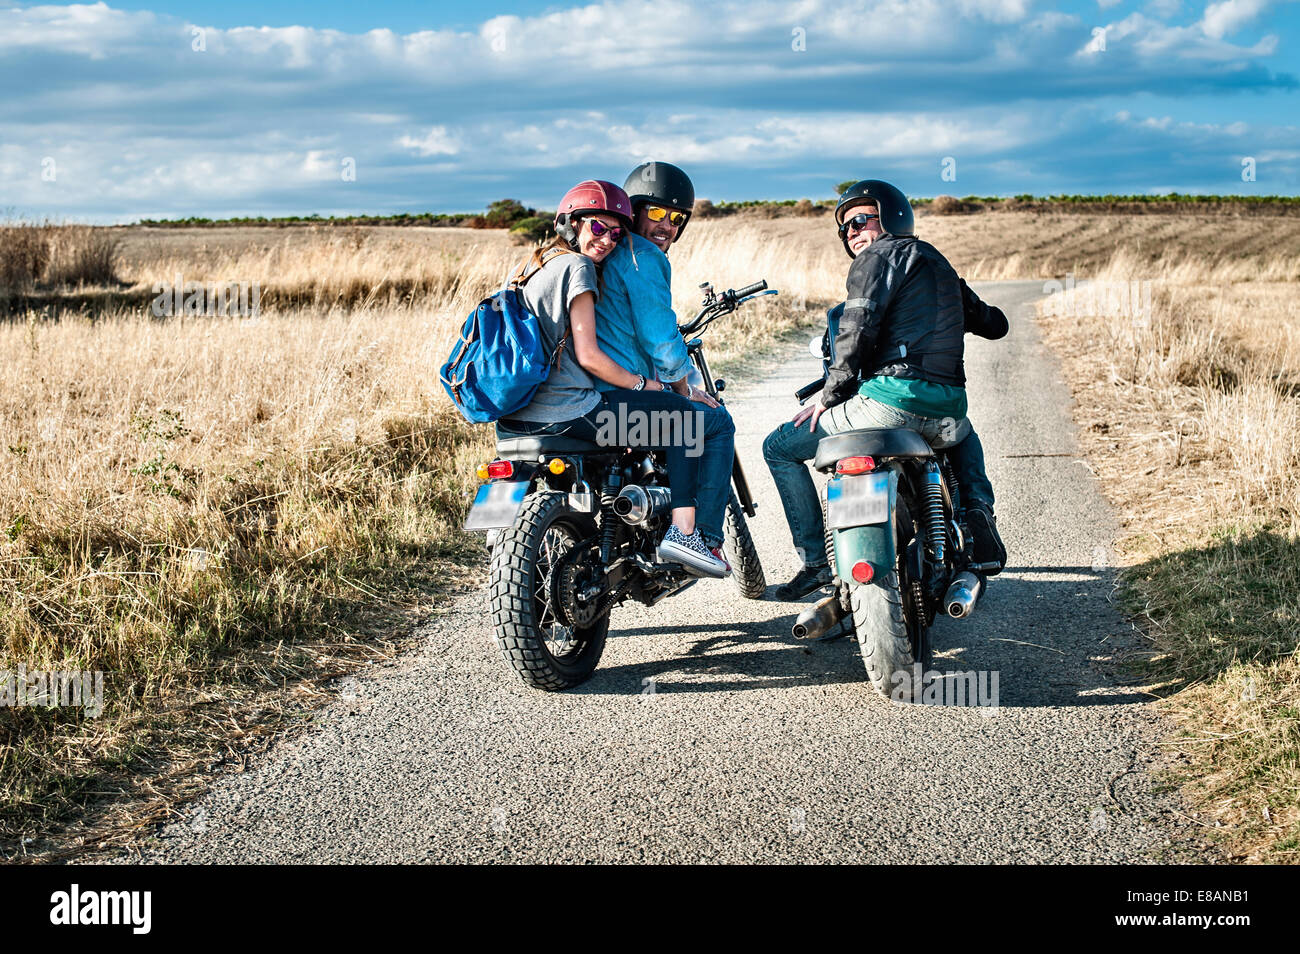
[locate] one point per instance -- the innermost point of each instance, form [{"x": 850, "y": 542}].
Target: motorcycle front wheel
[
  {"x": 531, "y": 632},
  {"x": 746, "y": 569}
]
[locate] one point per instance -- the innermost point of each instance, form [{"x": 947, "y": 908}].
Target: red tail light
[
  {"x": 855, "y": 465},
  {"x": 500, "y": 468},
  {"x": 863, "y": 572}
]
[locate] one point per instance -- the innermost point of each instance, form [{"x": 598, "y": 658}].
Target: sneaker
[
  {"x": 719, "y": 554},
  {"x": 691, "y": 552},
  {"x": 808, "y": 580},
  {"x": 988, "y": 547}
]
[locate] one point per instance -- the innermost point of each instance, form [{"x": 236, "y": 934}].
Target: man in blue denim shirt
[{"x": 637, "y": 327}]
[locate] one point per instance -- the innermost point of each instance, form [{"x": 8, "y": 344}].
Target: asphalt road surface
[{"x": 709, "y": 734}]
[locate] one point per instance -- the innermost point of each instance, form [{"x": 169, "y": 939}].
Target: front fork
[{"x": 695, "y": 348}]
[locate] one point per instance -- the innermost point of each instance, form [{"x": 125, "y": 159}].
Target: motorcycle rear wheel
[
  {"x": 892, "y": 635},
  {"x": 534, "y": 641}
]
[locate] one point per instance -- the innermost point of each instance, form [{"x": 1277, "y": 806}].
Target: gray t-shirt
[{"x": 569, "y": 391}]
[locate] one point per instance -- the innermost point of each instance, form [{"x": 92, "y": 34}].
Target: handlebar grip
[
  {"x": 750, "y": 289},
  {"x": 809, "y": 389}
]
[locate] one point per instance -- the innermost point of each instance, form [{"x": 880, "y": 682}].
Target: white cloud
[
  {"x": 436, "y": 142},
  {"x": 1229, "y": 16}
]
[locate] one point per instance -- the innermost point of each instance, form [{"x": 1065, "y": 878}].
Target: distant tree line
[{"x": 532, "y": 225}]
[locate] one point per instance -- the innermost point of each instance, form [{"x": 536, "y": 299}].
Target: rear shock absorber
[
  {"x": 934, "y": 510},
  {"x": 609, "y": 522},
  {"x": 954, "y": 488}
]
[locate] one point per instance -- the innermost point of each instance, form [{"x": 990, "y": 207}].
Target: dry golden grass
[
  {"x": 1191, "y": 417},
  {"x": 55, "y": 255},
  {"x": 1011, "y": 245}
]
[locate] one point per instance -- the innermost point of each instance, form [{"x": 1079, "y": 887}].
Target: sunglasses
[
  {"x": 656, "y": 213},
  {"x": 858, "y": 222},
  {"x": 599, "y": 228}
]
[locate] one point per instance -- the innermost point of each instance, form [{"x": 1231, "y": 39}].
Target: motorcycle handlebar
[
  {"x": 750, "y": 289},
  {"x": 809, "y": 389}
]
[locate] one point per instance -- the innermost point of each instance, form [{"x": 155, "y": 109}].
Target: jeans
[
  {"x": 788, "y": 448},
  {"x": 698, "y": 441}
]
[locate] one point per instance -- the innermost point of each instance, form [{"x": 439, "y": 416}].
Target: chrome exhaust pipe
[
  {"x": 817, "y": 619},
  {"x": 963, "y": 593},
  {"x": 637, "y": 504}
]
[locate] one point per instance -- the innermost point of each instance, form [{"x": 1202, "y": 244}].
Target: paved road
[{"x": 753, "y": 746}]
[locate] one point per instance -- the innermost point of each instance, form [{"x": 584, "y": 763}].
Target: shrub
[
  {"x": 504, "y": 213},
  {"x": 531, "y": 230},
  {"x": 805, "y": 208},
  {"x": 947, "y": 205},
  {"x": 703, "y": 209},
  {"x": 24, "y": 252},
  {"x": 81, "y": 255}
]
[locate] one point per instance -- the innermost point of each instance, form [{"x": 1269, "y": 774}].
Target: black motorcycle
[
  {"x": 897, "y": 543},
  {"x": 573, "y": 527}
]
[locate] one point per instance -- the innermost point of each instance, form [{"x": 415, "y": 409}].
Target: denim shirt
[{"x": 635, "y": 322}]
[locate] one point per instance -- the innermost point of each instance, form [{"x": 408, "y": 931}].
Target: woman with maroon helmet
[{"x": 559, "y": 284}]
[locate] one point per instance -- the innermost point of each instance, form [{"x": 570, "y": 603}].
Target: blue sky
[{"x": 114, "y": 112}]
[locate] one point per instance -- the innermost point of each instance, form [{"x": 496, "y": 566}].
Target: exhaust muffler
[
  {"x": 962, "y": 595},
  {"x": 816, "y": 620},
  {"x": 637, "y": 504}
]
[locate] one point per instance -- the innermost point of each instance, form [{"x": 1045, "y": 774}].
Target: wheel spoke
[{"x": 554, "y": 545}]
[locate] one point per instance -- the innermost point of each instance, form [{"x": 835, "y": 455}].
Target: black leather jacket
[{"x": 905, "y": 316}]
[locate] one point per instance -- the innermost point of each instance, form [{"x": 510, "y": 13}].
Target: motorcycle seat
[
  {"x": 531, "y": 448},
  {"x": 870, "y": 442}
]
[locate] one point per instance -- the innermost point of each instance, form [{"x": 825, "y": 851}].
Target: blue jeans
[
  {"x": 698, "y": 441},
  {"x": 788, "y": 448}
]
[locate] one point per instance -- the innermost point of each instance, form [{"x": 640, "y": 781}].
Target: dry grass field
[
  {"x": 223, "y": 513},
  {"x": 1190, "y": 416}
]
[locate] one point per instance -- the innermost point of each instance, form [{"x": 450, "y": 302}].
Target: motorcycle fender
[{"x": 873, "y": 543}]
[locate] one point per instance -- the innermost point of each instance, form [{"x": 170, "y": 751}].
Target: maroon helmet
[{"x": 590, "y": 197}]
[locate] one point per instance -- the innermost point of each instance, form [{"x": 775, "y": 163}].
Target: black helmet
[
  {"x": 895, "y": 211},
  {"x": 661, "y": 183}
]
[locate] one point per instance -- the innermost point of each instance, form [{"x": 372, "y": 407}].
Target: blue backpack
[{"x": 500, "y": 360}]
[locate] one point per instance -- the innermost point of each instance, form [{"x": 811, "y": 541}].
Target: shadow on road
[{"x": 1048, "y": 633}]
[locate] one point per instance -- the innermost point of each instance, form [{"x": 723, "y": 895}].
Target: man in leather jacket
[{"x": 897, "y": 351}]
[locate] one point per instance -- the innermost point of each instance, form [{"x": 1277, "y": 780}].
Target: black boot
[
  {"x": 808, "y": 580},
  {"x": 984, "y": 533}
]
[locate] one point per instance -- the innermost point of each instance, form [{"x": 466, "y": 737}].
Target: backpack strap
[
  {"x": 526, "y": 273},
  {"x": 457, "y": 352}
]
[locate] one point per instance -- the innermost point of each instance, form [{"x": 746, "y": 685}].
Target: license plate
[
  {"x": 496, "y": 504},
  {"x": 857, "y": 501}
]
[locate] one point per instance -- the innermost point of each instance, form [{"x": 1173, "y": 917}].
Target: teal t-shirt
[{"x": 923, "y": 398}]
